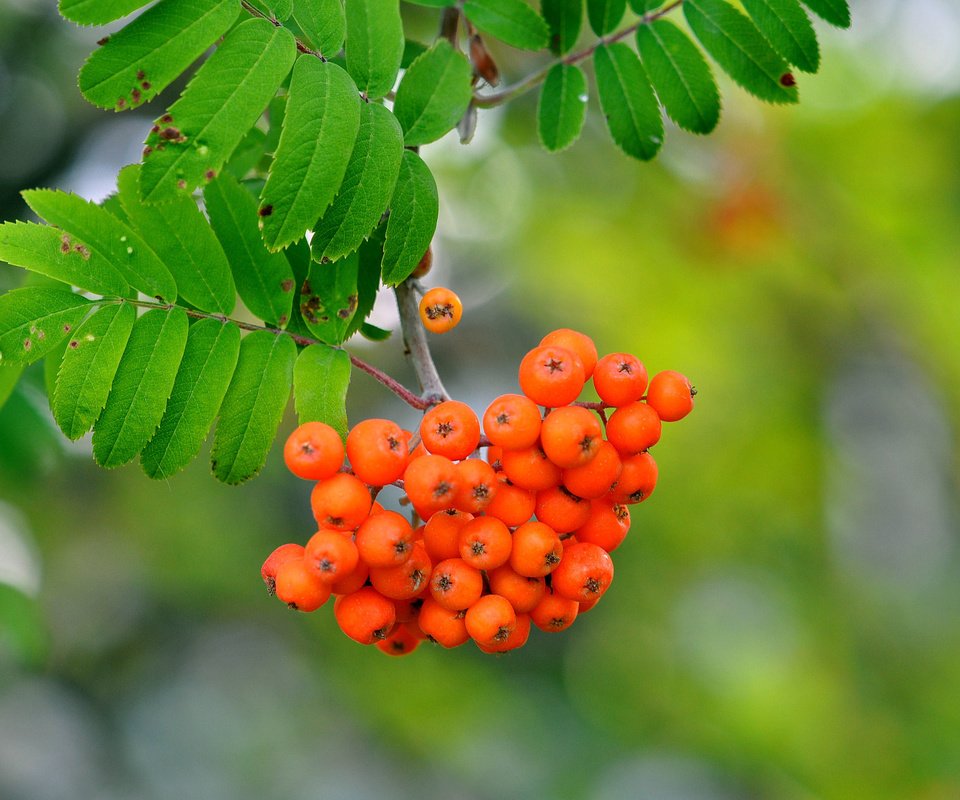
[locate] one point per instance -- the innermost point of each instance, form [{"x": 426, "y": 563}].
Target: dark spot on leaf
[
  {"x": 787, "y": 79},
  {"x": 27, "y": 344},
  {"x": 155, "y": 129},
  {"x": 66, "y": 329},
  {"x": 181, "y": 184},
  {"x": 344, "y": 313},
  {"x": 145, "y": 85},
  {"x": 74, "y": 344},
  {"x": 147, "y": 151},
  {"x": 41, "y": 335},
  {"x": 135, "y": 94},
  {"x": 286, "y": 285},
  {"x": 65, "y": 244},
  {"x": 121, "y": 102},
  {"x": 324, "y": 318},
  {"x": 209, "y": 174},
  {"x": 166, "y": 119},
  {"x": 265, "y": 211},
  {"x": 306, "y": 287},
  {"x": 84, "y": 253},
  {"x": 170, "y": 134},
  {"x": 141, "y": 74},
  {"x": 103, "y": 41},
  {"x": 283, "y": 319}
]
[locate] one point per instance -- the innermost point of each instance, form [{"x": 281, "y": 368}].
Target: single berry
[
  {"x": 671, "y": 395},
  {"x": 619, "y": 378},
  {"x": 440, "y": 310},
  {"x": 551, "y": 376},
  {"x": 314, "y": 451},
  {"x": 377, "y": 449},
  {"x": 450, "y": 429},
  {"x": 579, "y": 343}
]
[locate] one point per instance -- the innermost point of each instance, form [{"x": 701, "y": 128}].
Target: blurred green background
[{"x": 785, "y": 621}]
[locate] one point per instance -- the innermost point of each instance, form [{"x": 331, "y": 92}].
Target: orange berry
[
  {"x": 478, "y": 485},
  {"x": 511, "y": 505},
  {"x": 512, "y": 421},
  {"x": 366, "y": 616},
  {"x": 432, "y": 484},
  {"x": 530, "y": 468},
  {"x": 551, "y": 376},
  {"x": 494, "y": 456},
  {"x": 584, "y": 572},
  {"x": 406, "y": 581},
  {"x": 517, "y": 638},
  {"x": 562, "y": 511},
  {"x": 638, "y": 479},
  {"x": 578, "y": 343},
  {"x": 456, "y": 585},
  {"x": 671, "y": 395},
  {"x": 450, "y": 429},
  {"x": 348, "y": 584},
  {"x": 442, "y": 625},
  {"x": 571, "y": 436},
  {"x": 485, "y": 543},
  {"x": 341, "y": 502},
  {"x": 440, "y": 310},
  {"x": 596, "y": 478},
  {"x": 537, "y": 550},
  {"x": 385, "y": 540},
  {"x": 314, "y": 451},
  {"x": 285, "y": 552},
  {"x": 634, "y": 428},
  {"x": 554, "y": 613},
  {"x": 331, "y": 554},
  {"x": 607, "y": 525},
  {"x": 377, "y": 449},
  {"x": 424, "y": 265},
  {"x": 619, "y": 378},
  {"x": 522, "y": 591},
  {"x": 490, "y": 620},
  {"x": 299, "y": 586},
  {"x": 441, "y": 535},
  {"x": 399, "y": 643}
]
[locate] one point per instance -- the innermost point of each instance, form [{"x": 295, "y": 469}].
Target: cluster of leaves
[{"x": 293, "y": 125}]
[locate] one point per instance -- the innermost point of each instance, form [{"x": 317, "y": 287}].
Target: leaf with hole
[
  {"x": 139, "y": 61},
  {"x": 88, "y": 367},
  {"x": 680, "y": 75},
  {"x": 209, "y": 360},
  {"x": 225, "y": 98},
  {"x": 319, "y": 130},
  {"x": 141, "y": 387},
  {"x": 253, "y": 406}
]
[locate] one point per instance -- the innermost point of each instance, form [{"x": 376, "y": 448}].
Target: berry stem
[
  {"x": 415, "y": 343},
  {"x": 533, "y": 80}
]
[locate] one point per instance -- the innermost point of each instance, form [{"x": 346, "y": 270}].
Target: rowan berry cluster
[{"x": 521, "y": 537}]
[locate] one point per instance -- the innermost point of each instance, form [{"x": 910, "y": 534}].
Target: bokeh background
[{"x": 785, "y": 621}]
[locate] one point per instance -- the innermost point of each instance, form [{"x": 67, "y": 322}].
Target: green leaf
[
  {"x": 9, "y": 375},
  {"x": 264, "y": 280},
  {"x": 628, "y": 102},
  {"x": 414, "y": 209},
  {"x": 323, "y": 24},
  {"x": 564, "y": 18},
  {"x": 51, "y": 367},
  {"x": 138, "y": 62},
  {"x": 179, "y": 234},
  {"x": 740, "y": 49},
  {"x": 836, "y": 12},
  {"x": 434, "y": 94},
  {"x": 35, "y": 319},
  {"x": 681, "y": 76},
  {"x": 367, "y": 185},
  {"x": 208, "y": 363},
  {"x": 563, "y": 107},
  {"x": 328, "y": 299},
  {"x": 605, "y": 15},
  {"x": 98, "y": 12},
  {"x": 277, "y": 9},
  {"x": 511, "y": 21},
  {"x": 374, "y": 44},
  {"x": 641, "y": 7},
  {"x": 88, "y": 367},
  {"x": 319, "y": 130},
  {"x": 320, "y": 380},
  {"x": 248, "y": 154},
  {"x": 253, "y": 406},
  {"x": 221, "y": 103},
  {"x": 108, "y": 237},
  {"x": 788, "y": 28},
  {"x": 141, "y": 387},
  {"x": 373, "y": 333},
  {"x": 412, "y": 50},
  {"x": 48, "y": 251},
  {"x": 370, "y": 256}
]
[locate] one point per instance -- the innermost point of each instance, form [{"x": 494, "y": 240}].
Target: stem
[
  {"x": 449, "y": 25},
  {"x": 392, "y": 384},
  {"x": 415, "y": 343},
  {"x": 301, "y": 46},
  {"x": 535, "y": 79}
]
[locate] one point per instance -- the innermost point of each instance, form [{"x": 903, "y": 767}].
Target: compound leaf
[
  {"x": 367, "y": 185},
  {"x": 264, "y": 280},
  {"x": 108, "y": 237},
  {"x": 740, "y": 49},
  {"x": 434, "y": 94},
  {"x": 139, "y": 61},
  {"x": 320, "y": 380},
  {"x": 179, "y": 234},
  {"x": 628, "y": 101},
  {"x": 190, "y": 143},
  {"x": 319, "y": 130},
  {"x": 414, "y": 209},
  {"x": 208, "y": 363},
  {"x": 563, "y": 107},
  {"x": 253, "y": 406},
  {"x": 564, "y": 18},
  {"x": 141, "y": 387},
  {"x": 328, "y": 299},
  {"x": 681, "y": 76},
  {"x": 788, "y": 28},
  {"x": 88, "y": 367},
  {"x": 35, "y": 319},
  {"x": 374, "y": 46},
  {"x": 511, "y": 21}
]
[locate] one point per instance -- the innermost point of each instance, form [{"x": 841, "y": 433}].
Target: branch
[
  {"x": 301, "y": 46},
  {"x": 535, "y": 79},
  {"x": 449, "y": 25},
  {"x": 415, "y": 343}
]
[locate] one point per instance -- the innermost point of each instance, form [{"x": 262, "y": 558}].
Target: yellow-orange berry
[{"x": 440, "y": 310}]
